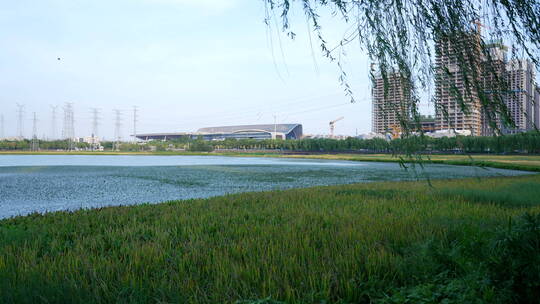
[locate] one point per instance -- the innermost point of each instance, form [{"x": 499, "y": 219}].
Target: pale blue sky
[{"x": 185, "y": 63}]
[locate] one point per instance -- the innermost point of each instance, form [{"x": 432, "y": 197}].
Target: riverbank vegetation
[
  {"x": 519, "y": 143},
  {"x": 512, "y": 162},
  {"x": 524, "y": 143},
  {"x": 455, "y": 241},
  {"x": 47, "y": 145}
]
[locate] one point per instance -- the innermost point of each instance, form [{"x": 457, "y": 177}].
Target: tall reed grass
[{"x": 339, "y": 244}]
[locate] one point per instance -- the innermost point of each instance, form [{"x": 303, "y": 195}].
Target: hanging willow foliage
[{"x": 400, "y": 36}]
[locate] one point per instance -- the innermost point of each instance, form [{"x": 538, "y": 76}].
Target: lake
[{"x": 46, "y": 183}]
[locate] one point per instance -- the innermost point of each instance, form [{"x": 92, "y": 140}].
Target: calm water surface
[{"x": 44, "y": 183}]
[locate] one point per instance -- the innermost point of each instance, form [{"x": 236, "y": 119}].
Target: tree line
[
  {"x": 51, "y": 145},
  {"x": 518, "y": 143}
]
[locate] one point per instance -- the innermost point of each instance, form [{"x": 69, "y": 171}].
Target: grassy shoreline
[
  {"x": 341, "y": 244},
  {"x": 462, "y": 240}
]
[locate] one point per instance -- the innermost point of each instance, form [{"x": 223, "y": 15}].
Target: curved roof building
[
  {"x": 283, "y": 131},
  {"x": 268, "y": 131}
]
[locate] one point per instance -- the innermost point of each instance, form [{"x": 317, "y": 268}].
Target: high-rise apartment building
[
  {"x": 493, "y": 81},
  {"x": 460, "y": 104},
  {"x": 520, "y": 100},
  {"x": 511, "y": 83},
  {"x": 537, "y": 108},
  {"x": 457, "y": 102},
  {"x": 391, "y": 103}
]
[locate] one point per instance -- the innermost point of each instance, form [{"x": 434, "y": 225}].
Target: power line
[
  {"x": 20, "y": 114},
  {"x": 53, "y": 122},
  {"x": 35, "y": 142},
  {"x": 320, "y": 108},
  {"x": 286, "y": 113},
  {"x": 117, "y": 131},
  {"x": 95, "y": 127},
  {"x": 68, "y": 131},
  {"x": 95, "y": 122},
  {"x": 281, "y": 106}
]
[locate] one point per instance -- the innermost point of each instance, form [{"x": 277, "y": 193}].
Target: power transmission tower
[
  {"x": 53, "y": 122},
  {"x": 117, "y": 134},
  {"x": 20, "y": 114},
  {"x": 95, "y": 125},
  {"x": 135, "y": 118},
  {"x": 1, "y": 126},
  {"x": 65, "y": 122},
  {"x": 68, "y": 132},
  {"x": 35, "y": 142}
]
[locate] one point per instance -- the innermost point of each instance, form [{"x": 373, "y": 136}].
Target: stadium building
[{"x": 270, "y": 131}]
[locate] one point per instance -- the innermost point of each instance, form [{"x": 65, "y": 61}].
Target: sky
[{"x": 186, "y": 64}]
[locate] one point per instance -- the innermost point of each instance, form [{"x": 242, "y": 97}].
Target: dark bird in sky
[{"x": 58, "y": 58}]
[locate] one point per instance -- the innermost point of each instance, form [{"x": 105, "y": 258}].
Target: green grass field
[
  {"x": 518, "y": 162},
  {"x": 457, "y": 241}
]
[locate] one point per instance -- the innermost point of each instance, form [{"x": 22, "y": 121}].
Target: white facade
[
  {"x": 93, "y": 140},
  {"x": 371, "y": 135},
  {"x": 449, "y": 133}
]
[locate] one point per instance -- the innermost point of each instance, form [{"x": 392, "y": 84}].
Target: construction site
[{"x": 458, "y": 107}]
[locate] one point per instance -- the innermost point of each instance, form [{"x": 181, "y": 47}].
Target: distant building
[
  {"x": 512, "y": 83},
  {"x": 427, "y": 123},
  {"x": 537, "y": 108},
  {"x": 493, "y": 81},
  {"x": 391, "y": 103},
  {"x": 504, "y": 83},
  {"x": 267, "y": 131},
  {"x": 460, "y": 106},
  {"x": 327, "y": 136},
  {"x": 371, "y": 135},
  {"x": 164, "y": 136},
  {"x": 451, "y": 80},
  {"x": 520, "y": 75},
  {"x": 93, "y": 140},
  {"x": 448, "y": 133}
]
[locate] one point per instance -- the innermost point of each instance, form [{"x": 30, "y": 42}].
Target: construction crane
[{"x": 333, "y": 125}]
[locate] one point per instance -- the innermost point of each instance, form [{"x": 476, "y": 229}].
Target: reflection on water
[{"x": 152, "y": 160}]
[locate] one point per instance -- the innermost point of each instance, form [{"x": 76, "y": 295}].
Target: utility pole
[
  {"x": 135, "y": 118},
  {"x": 95, "y": 125},
  {"x": 20, "y": 113},
  {"x": 118, "y": 125},
  {"x": 53, "y": 122},
  {"x": 35, "y": 142}
]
